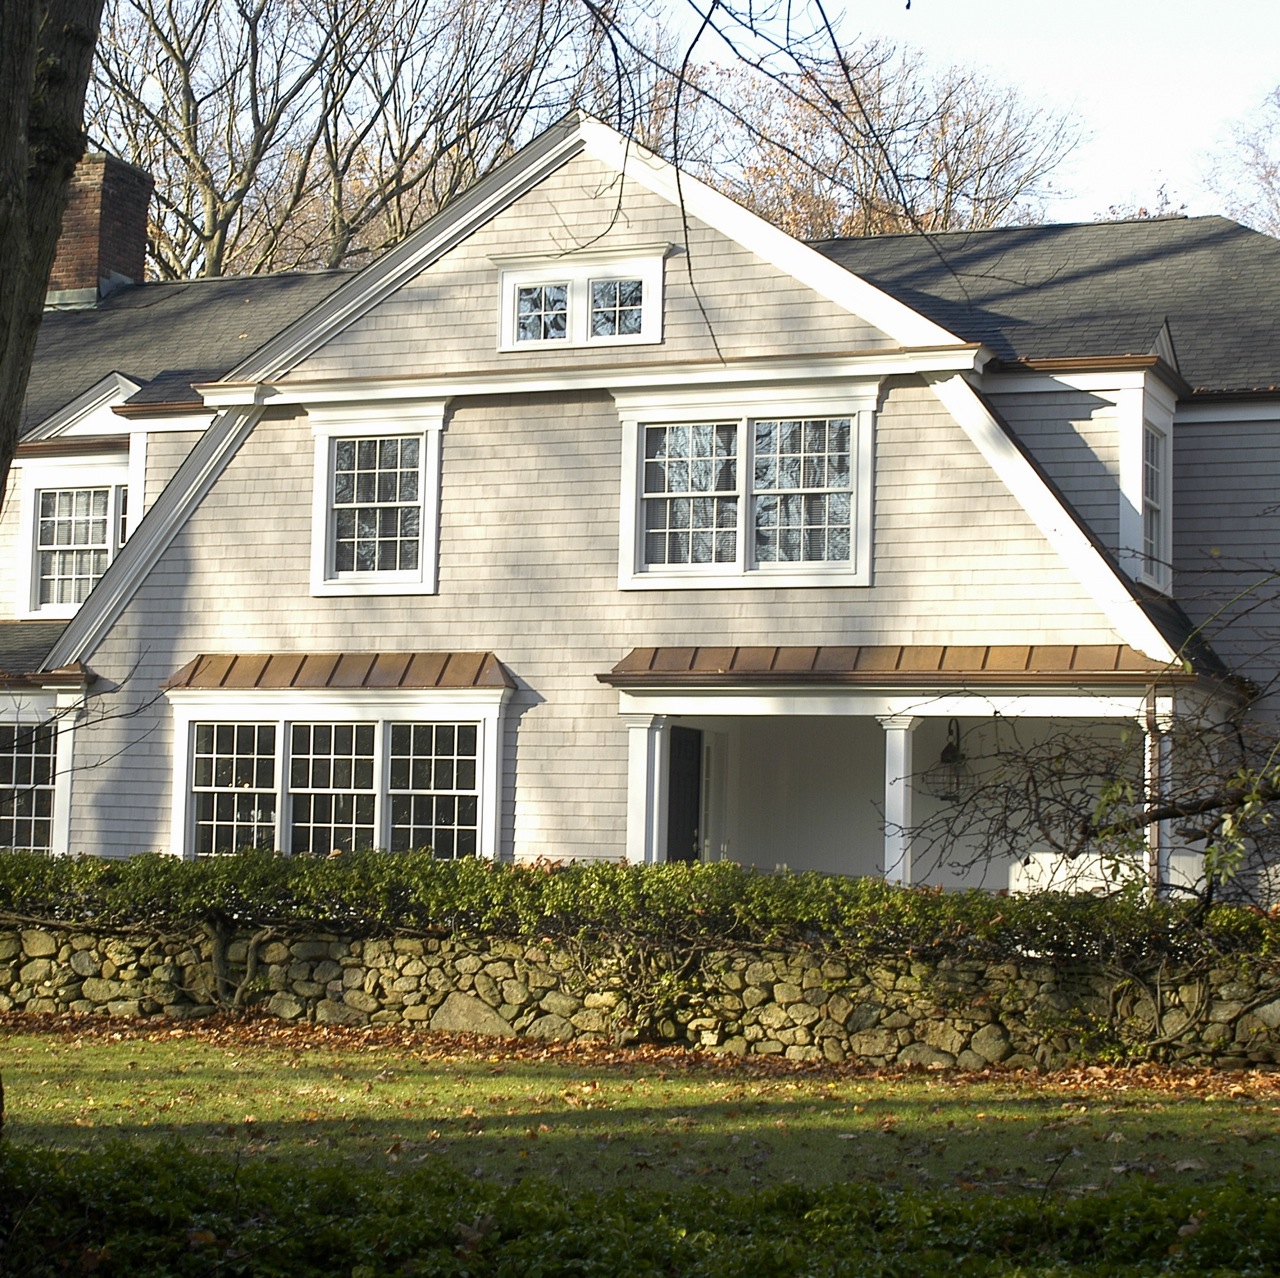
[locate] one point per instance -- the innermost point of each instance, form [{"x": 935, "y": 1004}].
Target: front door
[{"x": 684, "y": 795}]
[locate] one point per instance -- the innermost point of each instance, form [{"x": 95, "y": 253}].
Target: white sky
[{"x": 1157, "y": 84}]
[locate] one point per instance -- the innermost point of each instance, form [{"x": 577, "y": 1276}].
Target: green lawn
[{"x": 591, "y": 1120}]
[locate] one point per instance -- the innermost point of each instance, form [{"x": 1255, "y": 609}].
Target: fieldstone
[
  {"x": 309, "y": 951},
  {"x": 237, "y": 951},
  {"x": 285, "y": 1006},
  {"x": 361, "y": 1001},
  {"x": 10, "y": 946},
  {"x": 768, "y": 1047},
  {"x": 406, "y": 984},
  {"x": 838, "y": 1008},
  {"x": 760, "y": 974},
  {"x": 991, "y": 1044},
  {"x": 466, "y": 1014},
  {"x": 753, "y": 996},
  {"x": 832, "y": 1050},
  {"x": 1269, "y": 1014},
  {"x": 385, "y": 1017},
  {"x": 785, "y": 993},
  {"x": 99, "y": 991},
  {"x": 804, "y": 1013},
  {"x": 803, "y": 1054},
  {"x": 419, "y": 1012},
  {"x": 325, "y": 971},
  {"x": 864, "y": 1016},
  {"x": 516, "y": 993},
  {"x": 773, "y": 1017},
  {"x": 405, "y": 945},
  {"x": 536, "y": 979},
  {"x": 736, "y": 1046},
  {"x": 34, "y": 972},
  {"x": 873, "y": 1043},
  {"x": 608, "y": 999},
  {"x": 560, "y": 1004},
  {"x": 43, "y": 1005},
  {"x": 274, "y": 952},
  {"x": 415, "y": 967},
  {"x": 124, "y": 1007},
  {"x": 923, "y": 1054},
  {"x": 121, "y": 953},
  {"x": 943, "y": 1036},
  {"x": 500, "y": 971},
  {"x": 330, "y": 1013},
  {"x": 38, "y": 943},
  {"x": 596, "y": 1022},
  {"x": 308, "y": 989},
  {"x": 1222, "y": 1012},
  {"x": 971, "y": 1060},
  {"x": 353, "y": 978},
  {"x": 78, "y": 1007}
]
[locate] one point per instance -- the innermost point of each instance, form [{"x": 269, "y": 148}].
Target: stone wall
[{"x": 802, "y": 1005}]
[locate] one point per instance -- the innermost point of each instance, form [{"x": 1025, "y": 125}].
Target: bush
[{"x": 709, "y": 906}]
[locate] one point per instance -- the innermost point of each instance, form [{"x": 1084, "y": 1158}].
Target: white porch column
[
  {"x": 898, "y": 729},
  {"x": 1156, "y": 726},
  {"x": 647, "y": 778}
]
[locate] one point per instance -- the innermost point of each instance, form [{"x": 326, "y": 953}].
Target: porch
[{"x": 832, "y": 759}]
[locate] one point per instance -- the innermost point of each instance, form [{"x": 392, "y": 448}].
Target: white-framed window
[
  {"x": 311, "y": 773},
  {"x": 74, "y": 520},
  {"x": 581, "y": 299},
  {"x": 1155, "y": 531},
  {"x": 775, "y": 490},
  {"x": 375, "y": 507},
  {"x": 28, "y": 766}
]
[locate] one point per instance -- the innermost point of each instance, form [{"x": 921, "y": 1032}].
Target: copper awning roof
[
  {"x": 909, "y": 664},
  {"x": 385, "y": 671}
]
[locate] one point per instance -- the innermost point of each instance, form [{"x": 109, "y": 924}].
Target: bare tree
[
  {"x": 287, "y": 134},
  {"x": 872, "y": 142},
  {"x": 1248, "y": 179}
]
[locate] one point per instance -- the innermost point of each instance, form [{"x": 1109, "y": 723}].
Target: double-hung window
[
  {"x": 1155, "y": 538},
  {"x": 28, "y": 757},
  {"x": 309, "y": 774},
  {"x": 375, "y": 509},
  {"x": 748, "y": 497},
  {"x": 581, "y": 299}
]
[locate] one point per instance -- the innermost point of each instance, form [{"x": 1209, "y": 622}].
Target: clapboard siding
[
  {"x": 1075, "y": 436},
  {"x": 1226, "y": 505},
  {"x": 446, "y": 320},
  {"x": 528, "y": 570},
  {"x": 12, "y": 545}
]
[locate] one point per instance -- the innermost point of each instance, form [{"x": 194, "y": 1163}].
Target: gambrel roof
[{"x": 1093, "y": 290}]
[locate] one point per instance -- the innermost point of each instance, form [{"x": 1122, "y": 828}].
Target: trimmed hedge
[{"x": 713, "y": 905}]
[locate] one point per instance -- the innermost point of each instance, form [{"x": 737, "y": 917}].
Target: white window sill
[
  {"x": 371, "y": 586},
  {"x": 755, "y": 580}
]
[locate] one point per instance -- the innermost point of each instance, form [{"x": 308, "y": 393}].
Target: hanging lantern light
[{"x": 948, "y": 779}]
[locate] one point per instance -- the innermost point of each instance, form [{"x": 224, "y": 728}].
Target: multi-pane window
[
  {"x": 691, "y": 494},
  {"x": 788, "y": 502},
  {"x": 316, "y": 788},
  {"x": 234, "y": 786},
  {"x": 434, "y": 788},
  {"x": 331, "y": 784},
  {"x": 1154, "y": 549},
  {"x": 801, "y": 491},
  {"x": 377, "y": 504},
  {"x": 78, "y": 530},
  {"x": 27, "y": 767},
  {"x": 617, "y": 308},
  {"x": 542, "y": 313}
]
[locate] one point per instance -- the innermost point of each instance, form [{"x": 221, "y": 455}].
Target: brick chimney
[{"x": 104, "y": 232}]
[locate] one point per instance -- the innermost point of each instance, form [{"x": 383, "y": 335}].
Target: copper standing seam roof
[
  {"x": 280, "y": 671},
  {"x": 881, "y": 664}
]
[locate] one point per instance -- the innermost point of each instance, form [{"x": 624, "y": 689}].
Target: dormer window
[{"x": 589, "y": 299}]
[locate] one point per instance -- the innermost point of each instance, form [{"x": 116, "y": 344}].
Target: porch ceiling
[{"x": 905, "y": 665}]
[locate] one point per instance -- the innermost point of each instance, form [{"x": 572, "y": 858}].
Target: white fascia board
[
  {"x": 184, "y": 492},
  {"x": 1090, "y": 567},
  {"x": 113, "y": 389},
  {"x": 1227, "y": 412},
  {"x": 656, "y": 377},
  {"x": 808, "y": 266},
  {"x": 856, "y": 703},
  {"x": 1008, "y": 382}
]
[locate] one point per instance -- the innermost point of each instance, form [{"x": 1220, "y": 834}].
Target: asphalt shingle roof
[
  {"x": 192, "y": 330},
  {"x": 1095, "y": 289},
  {"x": 25, "y": 644}
]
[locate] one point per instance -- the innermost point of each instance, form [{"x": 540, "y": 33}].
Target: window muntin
[
  {"x": 234, "y": 786},
  {"x": 1154, "y": 548},
  {"x": 691, "y": 494},
  {"x": 790, "y": 502},
  {"x": 346, "y": 786},
  {"x": 376, "y": 505},
  {"x": 617, "y": 308},
  {"x": 434, "y": 787},
  {"x": 542, "y": 313},
  {"x": 802, "y": 487},
  {"x": 28, "y": 759},
  {"x": 78, "y": 530}
]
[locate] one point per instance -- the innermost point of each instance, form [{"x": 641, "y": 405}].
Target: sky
[{"x": 1157, "y": 85}]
